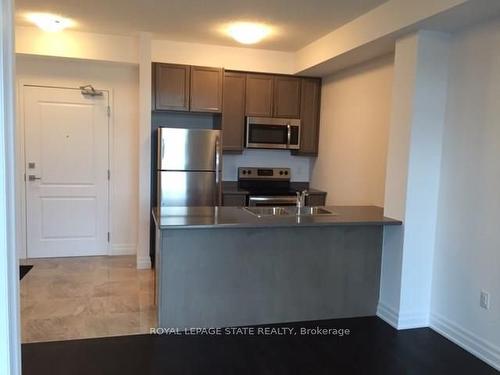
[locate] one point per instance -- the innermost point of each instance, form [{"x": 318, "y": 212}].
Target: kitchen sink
[
  {"x": 268, "y": 211},
  {"x": 289, "y": 211},
  {"x": 310, "y": 211}
]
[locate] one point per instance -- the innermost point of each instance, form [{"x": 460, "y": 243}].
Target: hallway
[{"x": 76, "y": 298}]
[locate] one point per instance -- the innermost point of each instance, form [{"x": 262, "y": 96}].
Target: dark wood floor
[{"x": 373, "y": 347}]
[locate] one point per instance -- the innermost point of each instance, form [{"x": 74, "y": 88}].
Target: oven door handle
[{"x": 253, "y": 200}]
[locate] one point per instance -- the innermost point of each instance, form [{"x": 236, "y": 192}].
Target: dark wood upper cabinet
[
  {"x": 239, "y": 94},
  {"x": 287, "y": 97},
  {"x": 233, "y": 112},
  {"x": 259, "y": 95},
  {"x": 310, "y": 104},
  {"x": 206, "y": 89},
  {"x": 171, "y": 86}
]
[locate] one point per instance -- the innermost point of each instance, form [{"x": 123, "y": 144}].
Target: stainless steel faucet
[{"x": 301, "y": 198}]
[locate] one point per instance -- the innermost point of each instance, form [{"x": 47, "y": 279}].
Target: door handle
[{"x": 32, "y": 177}]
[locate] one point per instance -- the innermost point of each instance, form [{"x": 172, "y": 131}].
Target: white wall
[
  {"x": 144, "y": 153},
  {"x": 123, "y": 81},
  {"x": 235, "y": 58},
  {"x": 412, "y": 178},
  {"x": 355, "y": 117},
  {"x": 31, "y": 40},
  {"x": 467, "y": 254},
  {"x": 299, "y": 165}
]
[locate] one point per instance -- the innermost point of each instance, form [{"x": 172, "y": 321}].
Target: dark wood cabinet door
[
  {"x": 233, "y": 112},
  {"x": 309, "y": 114},
  {"x": 259, "y": 95},
  {"x": 172, "y": 87},
  {"x": 287, "y": 97},
  {"x": 206, "y": 89}
]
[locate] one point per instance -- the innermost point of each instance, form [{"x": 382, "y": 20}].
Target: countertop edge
[
  {"x": 254, "y": 222},
  {"x": 284, "y": 225}
]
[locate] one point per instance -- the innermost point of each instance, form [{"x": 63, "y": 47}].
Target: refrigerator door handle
[
  {"x": 162, "y": 148},
  {"x": 218, "y": 172}
]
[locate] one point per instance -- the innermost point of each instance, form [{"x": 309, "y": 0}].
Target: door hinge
[
  {"x": 109, "y": 175},
  {"x": 109, "y": 236},
  {"x": 109, "y": 111}
]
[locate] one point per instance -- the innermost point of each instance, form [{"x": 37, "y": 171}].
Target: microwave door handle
[{"x": 288, "y": 135}]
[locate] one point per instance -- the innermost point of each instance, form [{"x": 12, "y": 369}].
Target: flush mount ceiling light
[
  {"x": 49, "y": 22},
  {"x": 248, "y": 32}
]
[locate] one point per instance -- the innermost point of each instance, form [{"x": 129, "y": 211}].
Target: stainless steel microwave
[{"x": 274, "y": 133}]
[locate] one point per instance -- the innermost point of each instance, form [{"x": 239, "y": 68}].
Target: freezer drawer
[
  {"x": 176, "y": 188},
  {"x": 188, "y": 149}
]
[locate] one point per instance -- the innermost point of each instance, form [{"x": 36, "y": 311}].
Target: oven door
[
  {"x": 271, "y": 201},
  {"x": 273, "y": 133}
]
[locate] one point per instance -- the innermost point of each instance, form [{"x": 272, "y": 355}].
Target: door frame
[{"x": 20, "y": 183}]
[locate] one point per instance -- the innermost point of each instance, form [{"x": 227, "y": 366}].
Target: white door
[{"x": 66, "y": 141}]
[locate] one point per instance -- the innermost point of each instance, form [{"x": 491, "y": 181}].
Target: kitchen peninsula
[{"x": 226, "y": 266}]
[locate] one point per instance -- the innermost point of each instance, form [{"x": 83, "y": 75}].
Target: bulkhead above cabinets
[{"x": 237, "y": 95}]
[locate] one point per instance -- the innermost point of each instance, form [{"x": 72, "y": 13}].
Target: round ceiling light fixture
[
  {"x": 248, "y": 32},
  {"x": 49, "y": 22}
]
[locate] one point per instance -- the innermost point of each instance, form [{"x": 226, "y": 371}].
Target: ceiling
[{"x": 297, "y": 22}]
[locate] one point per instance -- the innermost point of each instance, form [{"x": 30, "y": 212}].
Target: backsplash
[{"x": 299, "y": 165}]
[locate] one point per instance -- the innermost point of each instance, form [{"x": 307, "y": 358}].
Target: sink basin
[
  {"x": 310, "y": 211},
  {"x": 289, "y": 211},
  {"x": 268, "y": 211}
]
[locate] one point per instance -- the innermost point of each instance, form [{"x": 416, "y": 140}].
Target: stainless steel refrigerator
[{"x": 189, "y": 167}]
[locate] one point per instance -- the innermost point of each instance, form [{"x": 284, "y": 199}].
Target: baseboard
[
  {"x": 484, "y": 350},
  {"x": 387, "y": 314},
  {"x": 123, "y": 249},
  {"x": 143, "y": 262},
  {"x": 402, "y": 320}
]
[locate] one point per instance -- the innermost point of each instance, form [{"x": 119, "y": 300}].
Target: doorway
[
  {"x": 66, "y": 134},
  {"x": 80, "y": 291}
]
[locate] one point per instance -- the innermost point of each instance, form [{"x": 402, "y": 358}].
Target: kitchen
[
  {"x": 189, "y": 180},
  {"x": 245, "y": 185}
]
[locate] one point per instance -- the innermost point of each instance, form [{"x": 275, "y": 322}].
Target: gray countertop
[{"x": 237, "y": 217}]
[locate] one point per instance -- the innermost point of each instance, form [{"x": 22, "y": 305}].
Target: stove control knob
[
  {"x": 286, "y": 173},
  {"x": 249, "y": 171},
  {"x": 281, "y": 173},
  {"x": 244, "y": 172}
]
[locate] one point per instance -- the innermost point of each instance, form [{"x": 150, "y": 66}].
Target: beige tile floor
[{"x": 74, "y": 298}]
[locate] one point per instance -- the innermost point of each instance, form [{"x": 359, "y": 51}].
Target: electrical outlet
[{"x": 484, "y": 300}]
